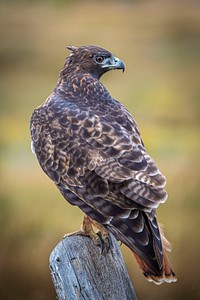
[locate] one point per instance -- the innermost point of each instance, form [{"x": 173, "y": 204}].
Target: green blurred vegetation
[{"x": 159, "y": 42}]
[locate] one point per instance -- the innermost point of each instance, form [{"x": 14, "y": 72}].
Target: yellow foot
[{"x": 100, "y": 237}]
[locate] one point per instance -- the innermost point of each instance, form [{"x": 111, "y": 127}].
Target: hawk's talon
[
  {"x": 104, "y": 242},
  {"x": 100, "y": 242},
  {"x": 108, "y": 243},
  {"x": 119, "y": 243}
]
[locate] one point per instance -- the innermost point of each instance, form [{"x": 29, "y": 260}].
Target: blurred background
[{"x": 159, "y": 41}]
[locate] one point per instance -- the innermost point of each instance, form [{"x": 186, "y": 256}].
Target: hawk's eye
[{"x": 99, "y": 59}]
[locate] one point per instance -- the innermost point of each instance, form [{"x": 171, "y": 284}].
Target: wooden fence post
[{"x": 80, "y": 271}]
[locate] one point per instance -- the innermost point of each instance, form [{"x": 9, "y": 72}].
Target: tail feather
[
  {"x": 166, "y": 274},
  {"x": 146, "y": 239}
]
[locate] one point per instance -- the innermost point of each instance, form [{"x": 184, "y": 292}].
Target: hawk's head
[{"x": 93, "y": 60}]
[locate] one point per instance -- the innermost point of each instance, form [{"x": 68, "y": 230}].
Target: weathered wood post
[{"x": 80, "y": 271}]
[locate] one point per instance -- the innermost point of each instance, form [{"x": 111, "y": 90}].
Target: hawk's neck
[{"x": 76, "y": 87}]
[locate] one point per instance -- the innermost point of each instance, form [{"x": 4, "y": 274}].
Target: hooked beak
[
  {"x": 114, "y": 63},
  {"x": 119, "y": 65}
]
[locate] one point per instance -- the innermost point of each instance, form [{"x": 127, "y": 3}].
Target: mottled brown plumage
[{"x": 90, "y": 146}]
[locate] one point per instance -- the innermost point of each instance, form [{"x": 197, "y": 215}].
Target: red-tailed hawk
[{"x": 90, "y": 146}]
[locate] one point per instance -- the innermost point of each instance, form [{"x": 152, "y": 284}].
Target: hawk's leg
[{"x": 100, "y": 237}]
